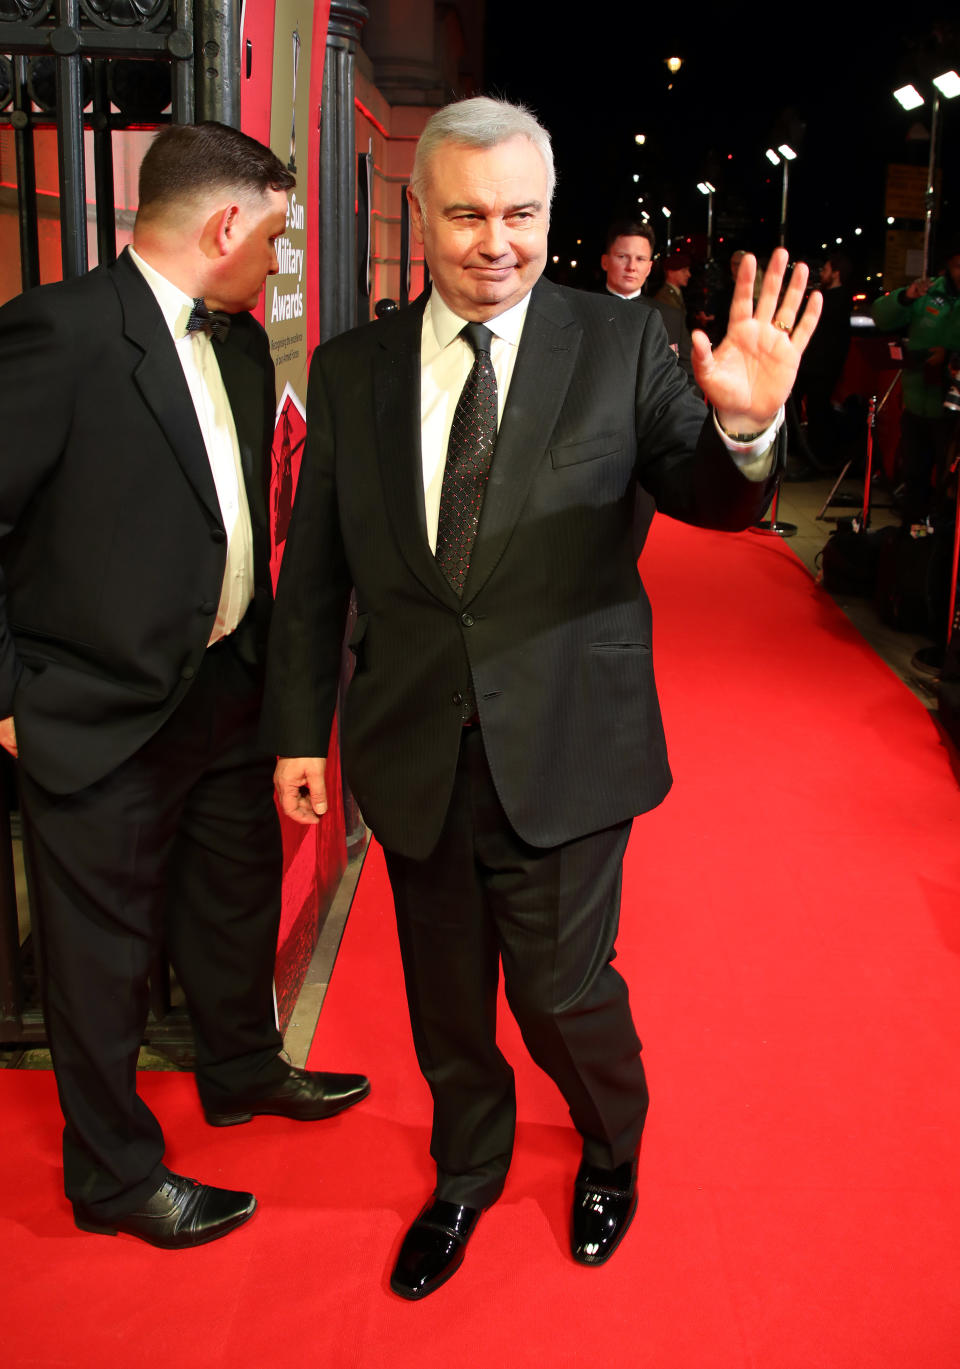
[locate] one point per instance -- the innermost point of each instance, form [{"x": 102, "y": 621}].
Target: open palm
[{"x": 752, "y": 371}]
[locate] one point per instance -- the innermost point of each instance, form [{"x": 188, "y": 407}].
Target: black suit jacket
[
  {"x": 111, "y": 540},
  {"x": 554, "y": 623}
]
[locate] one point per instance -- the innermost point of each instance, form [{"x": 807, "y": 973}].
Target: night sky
[{"x": 822, "y": 83}]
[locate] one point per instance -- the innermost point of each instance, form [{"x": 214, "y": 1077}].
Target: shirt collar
[
  {"x": 447, "y": 325},
  {"x": 174, "y": 304},
  {"x": 617, "y": 295}
]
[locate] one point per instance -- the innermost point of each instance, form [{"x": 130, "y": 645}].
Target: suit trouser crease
[
  {"x": 550, "y": 916},
  {"x": 179, "y": 846}
]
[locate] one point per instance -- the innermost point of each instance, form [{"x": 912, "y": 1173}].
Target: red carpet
[{"x": 791, "y": 934}]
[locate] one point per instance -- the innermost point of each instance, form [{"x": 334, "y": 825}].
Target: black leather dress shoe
[
  {"x": 433, "y": 1248},
  {"x": 604, "y": 1201},
  {"x": 181, "y": 1213},
  {"x": 305, "y": 1095}
]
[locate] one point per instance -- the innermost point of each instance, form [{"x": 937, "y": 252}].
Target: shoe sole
[
  {"x": 234, "y": 1119},
  {"x": 579, "y": 1259},
  {"x": 107, "y": 1229}
]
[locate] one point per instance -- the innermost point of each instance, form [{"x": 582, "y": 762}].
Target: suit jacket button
[
  {"x": 458, "y": 698},
  {"x": 467, "y": 619},
  {"x": 218, "y": 535},
  {"x": 208, "y": 608},
  {"x": 187, "y": 673}
]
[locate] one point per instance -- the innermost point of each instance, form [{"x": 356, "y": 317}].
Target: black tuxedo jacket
[
  {"x": 111, "y": 541},
  {"x": 554, "y": 624}
]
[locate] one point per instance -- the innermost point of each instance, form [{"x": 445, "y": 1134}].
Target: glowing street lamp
[
  {"x": 946, "y": 84},
  {"x": 709, "y": 190},
  {"x": 909, "y": 97},
  {"x": 667, "y": 215},
  {"x": 785, "y": 157}
]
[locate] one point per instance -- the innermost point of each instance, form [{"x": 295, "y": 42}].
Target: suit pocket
[{"x": 590, "y": 449}]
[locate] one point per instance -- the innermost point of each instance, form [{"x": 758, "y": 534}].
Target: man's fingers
[
  {"x": 741, "y": 306},
  {"x": 793, "y": 296},
  {"x": 301, "y": 787},
  {"x": 803, "y": 332},
  {"x": 770, "y": 289},
  {"x": 8, "y": 736}
]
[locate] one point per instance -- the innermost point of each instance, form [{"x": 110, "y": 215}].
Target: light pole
[
  {"x": 787, "y": 155},
  {"x": 709, "y": 190},
  {"x": 948, "y": 85},
  {"x": 667, "y": 215}
]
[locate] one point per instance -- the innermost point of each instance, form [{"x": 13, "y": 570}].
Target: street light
[
  {"x": 909, "y": 97},
  {"x": 667, "y": 215},
  {"x": 787, "y": 155},
  {"x": 709, "y": 190},
  {"x": 946, "y": 84}
]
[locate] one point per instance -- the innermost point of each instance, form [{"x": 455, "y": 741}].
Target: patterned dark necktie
[
  {"x": 210, "y": 321},
  {"x": 473, "y": 437}
]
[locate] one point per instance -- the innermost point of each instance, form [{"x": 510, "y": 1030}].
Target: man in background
[
  {"x": 822, "y": 364},
  {"x": 135, "y": 594},
  {"x": 928, "y": 312},
  {"x": 628, "y": 258},
  {"x": 671, "y": 305}
]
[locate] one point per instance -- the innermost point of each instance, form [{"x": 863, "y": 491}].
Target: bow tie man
[{"x": 137, "y": 579}]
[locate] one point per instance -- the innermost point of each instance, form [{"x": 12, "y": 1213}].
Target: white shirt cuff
[{"x": 754, "y": 459}]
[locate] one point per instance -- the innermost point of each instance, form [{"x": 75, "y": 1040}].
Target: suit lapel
[
  {"x": 396, "y": 382},
  {"x": 545, "y": 360},
  {"x": 160, "y": 379}
]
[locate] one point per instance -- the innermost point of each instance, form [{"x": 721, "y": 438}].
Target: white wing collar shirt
[{"x": 205, "y": 383}]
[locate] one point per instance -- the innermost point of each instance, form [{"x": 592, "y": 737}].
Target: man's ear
[
  {"x": 416, "y": 214},
  {"x": 225, "y": 224},
  {"x": 604, "y": 262}
]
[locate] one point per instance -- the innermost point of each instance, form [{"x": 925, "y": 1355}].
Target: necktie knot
[
  {"x": 213, "y": 322},
  {"x": 479, "y": 337}
]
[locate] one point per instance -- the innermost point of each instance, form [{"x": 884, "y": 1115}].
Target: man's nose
[{"x": 493, "y": 241}]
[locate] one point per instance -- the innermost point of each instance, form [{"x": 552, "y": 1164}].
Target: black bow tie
[{"x": 210, "y": 321}]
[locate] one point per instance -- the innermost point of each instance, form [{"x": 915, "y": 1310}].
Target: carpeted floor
[{"x": 791, "y": 935}]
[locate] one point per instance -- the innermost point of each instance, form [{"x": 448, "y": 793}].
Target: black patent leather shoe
[
  {"x": 433, "y": 1248},
  {"x": 305, "y": 1095},
  {"x": 604, "y": 1201},
  {"x": 180, "y": 1214}
]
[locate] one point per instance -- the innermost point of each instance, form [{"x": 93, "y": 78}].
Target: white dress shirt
[
  {"x": 446, "y": 359},
  {"x": 205, "y": 383}
]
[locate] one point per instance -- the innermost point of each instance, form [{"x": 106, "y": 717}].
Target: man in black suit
[
  {"x": 628, "y": 257},
  {"x": 501, "y": 729},
  {"x": 136, "y": 594}
]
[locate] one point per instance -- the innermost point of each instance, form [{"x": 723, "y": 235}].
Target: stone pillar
[{"x": 338, "y": 246}]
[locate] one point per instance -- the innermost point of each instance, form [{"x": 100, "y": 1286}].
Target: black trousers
[
  {"x": 550, "y": 916},
  {"x": 178, "y": 846}
]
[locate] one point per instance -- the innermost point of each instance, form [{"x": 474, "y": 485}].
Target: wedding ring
[{"x": 784, "y": 327}]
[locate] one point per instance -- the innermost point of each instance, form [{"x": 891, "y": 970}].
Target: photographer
[{"x": 928, "y": 311}]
